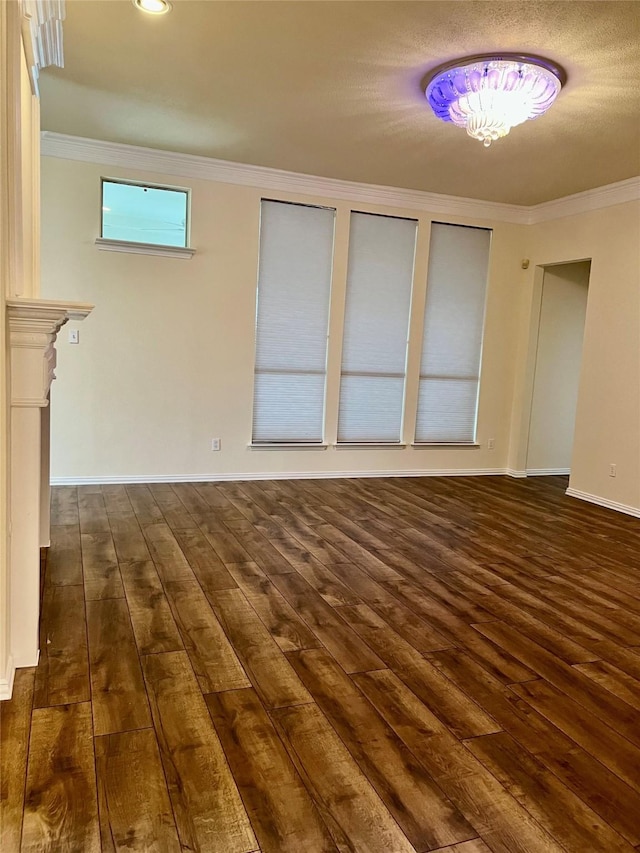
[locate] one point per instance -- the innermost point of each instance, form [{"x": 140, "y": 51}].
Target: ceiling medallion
[{"x": 491, "y": 93}]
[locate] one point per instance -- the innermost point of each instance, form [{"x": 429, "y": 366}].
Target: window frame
[
  {"x": 160, "y": 248},
  {"x": 400, "y": 441},
  {"x": 418, "y": 300},
  {"x": 417, "y": 443},
  {"x": 295, "y": 444}
]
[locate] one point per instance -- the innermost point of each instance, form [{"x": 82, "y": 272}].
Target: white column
[
  {"x": 30, "y": 39},
  {"x": 33, "y": 325},
  {"x": 24, "y": 540}
]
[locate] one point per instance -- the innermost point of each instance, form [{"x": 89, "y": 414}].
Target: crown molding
[
  {"x": 226, "y": 172},
  {"x": 589, "y": 200},
  {"x": 42, "y": 36}
]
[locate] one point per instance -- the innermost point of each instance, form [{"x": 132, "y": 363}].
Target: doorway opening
[{"x": 563, "y": 306}]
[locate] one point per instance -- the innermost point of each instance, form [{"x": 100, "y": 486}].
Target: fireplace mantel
[
  {"x": 32, "y": 325},
  {"x": 47, "y": 309}
]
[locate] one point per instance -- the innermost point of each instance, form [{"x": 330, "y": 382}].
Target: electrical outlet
[
  {"x": 215, "y": 444},
  {"x": 491, "y": 444},
  {"x": 612, "y": 469}
]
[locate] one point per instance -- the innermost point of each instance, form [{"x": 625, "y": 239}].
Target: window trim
[
  {"x": 376, "y": 445},
  {"x": 293, "y": 444},
  {"x": 473, "y": 441},
  {"x": 107, "y": 245},
  {"x": 423, "y": 444},
  {"x": 287, "y": 445},
  {"x": 400, "y": 442}
]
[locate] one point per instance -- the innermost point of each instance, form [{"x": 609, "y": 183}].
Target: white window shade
[
  {"x": 453, "y": 327},
  {"x": 374, "y": 354},
  {"x": 294, "y": 283}
]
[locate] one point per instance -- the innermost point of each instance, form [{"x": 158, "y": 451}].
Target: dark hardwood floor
[{"x": 377, "y": 665}]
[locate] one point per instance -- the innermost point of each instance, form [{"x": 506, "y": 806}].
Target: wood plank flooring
[{"x": 374, "y": 666}]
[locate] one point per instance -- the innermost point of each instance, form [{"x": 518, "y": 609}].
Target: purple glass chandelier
[{"x": 489, "y": 94}]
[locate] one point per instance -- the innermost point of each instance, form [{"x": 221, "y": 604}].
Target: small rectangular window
[{"x": 141, "y": 213}]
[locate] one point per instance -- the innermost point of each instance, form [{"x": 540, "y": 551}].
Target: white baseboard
[
  {"x": 6, "y": 683},
  {"x": 512, "y": 472},
  {"x": 270, "y": 475},
  {"x": 547, "y": 472},
  {"x": 605, "y": 502}
]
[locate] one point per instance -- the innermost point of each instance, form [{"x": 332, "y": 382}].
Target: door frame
[{"x": 533, "y": 335}]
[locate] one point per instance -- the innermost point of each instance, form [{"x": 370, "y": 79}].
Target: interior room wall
[
  {"x": 557, "y": 371},
  {"x": 607, "y": 428},
  {"x": 165, "y": 361}
]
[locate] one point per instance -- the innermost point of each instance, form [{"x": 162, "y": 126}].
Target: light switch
[{"x": 74, "y": 336}]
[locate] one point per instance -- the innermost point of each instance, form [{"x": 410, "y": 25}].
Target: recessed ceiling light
[{"x": 153, "y": 7}]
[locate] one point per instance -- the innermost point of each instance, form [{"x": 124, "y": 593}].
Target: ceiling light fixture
[
  {"x": 153, "y": 7},
  {"x": 491, "y": 93}
]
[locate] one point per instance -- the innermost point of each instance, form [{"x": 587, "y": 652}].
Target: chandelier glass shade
[{"x": 488, "y": 95}]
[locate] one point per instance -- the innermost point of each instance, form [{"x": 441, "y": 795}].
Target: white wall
[
  {"x": 557, "y": 371},
  {"x": 608, "y": 410},
  {"x": 166, "y": 358}
]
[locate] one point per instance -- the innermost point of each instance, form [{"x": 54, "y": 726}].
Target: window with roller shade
[
  {"x": 294, "y": 287},
  {"x": 374, "y": 352},
  {"x": 452, "y": 340}
]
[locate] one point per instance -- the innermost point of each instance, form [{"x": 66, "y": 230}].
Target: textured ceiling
[{"x": 332, "y": 89}]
